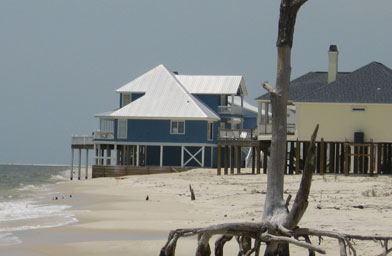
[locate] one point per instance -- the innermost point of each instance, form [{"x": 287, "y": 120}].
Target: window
[
  {"x": 106, "y": 125},
  {"x": 210, "y": 131},
  {"x": 126, "y": 99},
  {"x": 177, "y": 127},
  {"x": 122, "y": 129}
]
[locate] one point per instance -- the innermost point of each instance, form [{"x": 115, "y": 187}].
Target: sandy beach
[{"x": 114, "y": 217}]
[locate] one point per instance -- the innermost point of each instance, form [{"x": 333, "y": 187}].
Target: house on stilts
[
  {"x": 353, "y": 110},
  {"x": 167, "y": 122}
]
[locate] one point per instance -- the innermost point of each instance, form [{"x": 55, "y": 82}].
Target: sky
[{"x": 61, "y": 61}]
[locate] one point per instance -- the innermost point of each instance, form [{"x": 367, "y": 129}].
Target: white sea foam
[{"x": 22, "y": 215}]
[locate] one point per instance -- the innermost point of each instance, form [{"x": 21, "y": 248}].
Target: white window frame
[
  {"x": 125, "y": 128},
  {"x": 176, "y": 122},
  {"x": 106, "y": 125},
  {"x": 210, "y": 131}
]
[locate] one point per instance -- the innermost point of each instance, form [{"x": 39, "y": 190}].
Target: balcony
[
  {"x": 230, "y": 110},
  {"x": 82, "y": 142},
  {"x": 267, "y": 129},
  {"x": 236, "y": 134},
  {"x": 103, "y": 135}
]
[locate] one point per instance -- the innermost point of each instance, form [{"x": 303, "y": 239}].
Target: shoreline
[{"x": 115, "y": 218}]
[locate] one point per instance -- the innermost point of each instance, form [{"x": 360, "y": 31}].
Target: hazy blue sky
[{"x": 61, "y": 61}]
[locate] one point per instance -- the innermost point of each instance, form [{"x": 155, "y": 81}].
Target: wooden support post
[
  {"x": 291, "y": 158},
  {"x": 342, "y": 149},
  {"x": 253, "y": 159},
  {"x": 286, "y": 158},
  {"x": 226, "y": 160},
  {"x": 337, "y": 158},
  {"x": 86, "y": 174},
  {"x": 219, "y": 160},
  {"x": 108, "y": 155},
  {"x": 322, "y": 156},
  {"x": 304, "y": 151},
  {"x": 356, "y": 151},
  {"x": 265, "y": 161},
  {"x": 331, "y": 157},
  {"x": 388, "y": 170},
  {"x": 80, "y": 163},
  {"x": 232, "y": 160},
  {"x": 379, "y": 154},
  {"x": 238, "y": 159},
  {"x": 258, "y": 158},
  {"x": 371, "y": 159},
  {"x": 318, "y": 157},
  {"x": 297, "y": 156},
  {"x": 72, "y": 164},
  {"x": 347, "y": 154},
  {"x": 361, "y": 162}
]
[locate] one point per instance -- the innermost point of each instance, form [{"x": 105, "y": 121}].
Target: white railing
[
  {"x": 237, "y": 134},
  {"x": 103, "y": 135},
  {"x": 267, "y": 129},
  {"x": 82, "y": 140},
  {"x": 230, "y": 110}
]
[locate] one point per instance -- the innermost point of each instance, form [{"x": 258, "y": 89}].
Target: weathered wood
[
  {"x": 331, "y": 157},
  {"x": 245, "y": 244},
  {"x": 297, "y": 156},
  {"x": 342, "y": 157},
  {"x": 322, "y": 156},
  {"x": 253, "y": 159},
  {"x": 226, "y": 160},
  {"x": 203, "y": 247},
  {"x": 301, "y": 200},
  {"x": 258, "y": 160},
  {"x": 347, "y": 153},
  {"x": 265, "y": 161},
  {"x": 337, "y": 158},
  {"x": 291, "y": 158},
  {"x": 379, "y": 154},
  {"x": 356, "y": 152},
  {"x": 238, "y": 159},
  {"x": 193, "y": 197},
  {"x": 232, "y": 158},
  {"x": 219, "y": 160},
  {"x": 220, "y": 243},
  {"x": 371, "y": 172}
]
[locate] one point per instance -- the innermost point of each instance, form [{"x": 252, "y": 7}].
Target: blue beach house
[{"x": 170, "y": 120}]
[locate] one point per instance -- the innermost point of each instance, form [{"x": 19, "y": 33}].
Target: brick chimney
[{"x": 333, "y": 63}]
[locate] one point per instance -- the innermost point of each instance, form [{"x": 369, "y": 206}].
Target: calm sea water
[{"x": 26, "y": 199}]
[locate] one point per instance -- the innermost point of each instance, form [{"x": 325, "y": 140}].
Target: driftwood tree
[{"x": 279, "y": 225}]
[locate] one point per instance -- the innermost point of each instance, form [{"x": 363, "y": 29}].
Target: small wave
[{"x": 8, "y": 239}]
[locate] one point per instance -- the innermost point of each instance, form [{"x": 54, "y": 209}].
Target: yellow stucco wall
[{"x": 338, "y": 122}]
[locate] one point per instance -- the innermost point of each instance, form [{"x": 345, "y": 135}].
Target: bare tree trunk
[{"x": 275, "y": 212}]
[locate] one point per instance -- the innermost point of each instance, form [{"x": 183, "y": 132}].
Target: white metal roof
[
  {"x": 165, "y": 98},
  {"x": 213, "y": 84}
]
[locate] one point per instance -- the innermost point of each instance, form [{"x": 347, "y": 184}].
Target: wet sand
[{"x": 116, "y": 219}]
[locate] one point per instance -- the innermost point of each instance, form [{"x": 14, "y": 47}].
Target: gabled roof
[
  {"x": 213, "y": 84},
  {"x": 165, "y": 98},
  {"x": 370, "y": 84}
]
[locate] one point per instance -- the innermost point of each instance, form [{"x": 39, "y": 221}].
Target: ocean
[{"x": 27, "y": 199}]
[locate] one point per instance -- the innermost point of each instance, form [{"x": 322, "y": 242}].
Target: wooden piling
[
  {"x": 265, "y": 161},
  {"x": 219, "y": 160},
  {"x": 232, "y": 160},
  {"x": 238, "y": 159},
  {"x": 322, "y": 156},
  {"x": 347, "y": 155},
  {"x": 379, "y": 154},
  {"x": 258, "y": 159},
  {"x": 291, "y": 158},
  {"x": 371, "y": 171},
  {"x": 331, "y": 157},
  {"x": 226, "y": 160},
  {"x": 297, "y": 156},
  {"x": 253, "y": 159}
]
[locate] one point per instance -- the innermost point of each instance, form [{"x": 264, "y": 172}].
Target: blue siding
[
  {"x": 159, "y": 131},
  {"x": 211, "y": 100},
  {"x": 250, "y": 123}
]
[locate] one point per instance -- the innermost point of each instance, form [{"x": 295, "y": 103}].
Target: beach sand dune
[{"x": 116, "y": 219}]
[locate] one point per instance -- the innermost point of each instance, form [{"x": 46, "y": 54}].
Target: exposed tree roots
[{"x": 246, "y": 233}]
